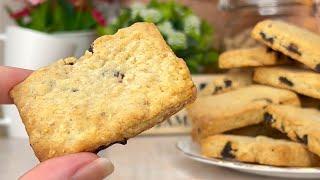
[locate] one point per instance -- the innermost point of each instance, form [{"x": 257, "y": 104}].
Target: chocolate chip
[
  {"x": 227, "y": 83},
  {"x": 119, "y": 75},
  {"x": 217, "y": 89},
  {"x": 263, "y": 99},
  {"x": 116, "y": 74},
  {"x": 74, "y": 89},
  {"x": 317, "y": 68},
  {"x": 267, "y": 39},
  {"x": 286, "y": 81},
  {"x": 294, "y": 48},
  {"x": 267, "y": 117},
  {"x": 227, "y": 151},
  {"x": 91, "y": 48},
  {"x": 202, "y": 85},
  {"x": 70, "y": 63},
  {"x": 303, "y": 140}
]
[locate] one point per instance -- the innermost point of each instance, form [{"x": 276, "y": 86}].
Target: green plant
[
  {"x": 188, "y": 35},
  {"x": 58, "y": 15}
]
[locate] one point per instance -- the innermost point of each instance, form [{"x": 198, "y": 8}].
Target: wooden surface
[{"x": 143, "y": 158}]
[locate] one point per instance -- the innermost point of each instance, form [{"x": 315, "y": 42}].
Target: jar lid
[
  {"x": 238, "y": 4},
  {"x": 264, "y": 7}
]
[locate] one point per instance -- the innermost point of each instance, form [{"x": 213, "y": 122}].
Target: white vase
[
  {"x": 29, "y": 49},
  {"x": 81, "y": 39}
]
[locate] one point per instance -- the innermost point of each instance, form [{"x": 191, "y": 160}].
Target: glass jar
[{"x": 242, "y": 15}]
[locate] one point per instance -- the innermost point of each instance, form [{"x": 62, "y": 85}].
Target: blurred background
[{"x": 38, "y": 32}]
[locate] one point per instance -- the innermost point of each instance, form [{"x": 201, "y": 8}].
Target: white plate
[{"x": 191, "y": 150}]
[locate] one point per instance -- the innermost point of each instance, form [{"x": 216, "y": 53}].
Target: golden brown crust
[
  {"x": 250, "y": 57},
  {"x": 235, "y": 109},
  {"x": 300, "y": 124},
  {"x": 221, "y": 83},
  {"x": 302, "y": 81},
  {"x": 261, "y": 150},
  {"x": 130, "y": 82},
  {"x": 298, "y": 43}
]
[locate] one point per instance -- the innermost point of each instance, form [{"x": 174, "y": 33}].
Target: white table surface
[{"x": 143, "y": 158}]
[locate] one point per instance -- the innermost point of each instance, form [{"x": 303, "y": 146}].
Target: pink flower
[
  {"x": 21, "y": 13},
  {"x": 36, "y": 2},
  {"x": 98, "y": 16}
]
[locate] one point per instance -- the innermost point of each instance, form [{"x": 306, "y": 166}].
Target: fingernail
[{"x": 96, "y": 170}]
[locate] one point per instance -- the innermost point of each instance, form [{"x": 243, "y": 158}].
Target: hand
[{"x": 74, "y": 166}]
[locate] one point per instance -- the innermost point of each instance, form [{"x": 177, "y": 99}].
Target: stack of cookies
[{"x": 265, "y": 108}]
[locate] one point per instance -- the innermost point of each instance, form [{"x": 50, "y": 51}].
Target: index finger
[{"x": 9, "y": 77}]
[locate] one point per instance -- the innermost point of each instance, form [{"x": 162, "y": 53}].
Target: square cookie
[
  {"x": 300, "y": 124},
  {"x": 302, "y": 81},
  {"x": 225, "y": 82},
  {"x": 126, "y": 83},
  {"x": 235, "y": 109},
  {"x": 293, "y": 41},
  {"x": 260, "y": 149},
  {"x": 251, "y": 57}
]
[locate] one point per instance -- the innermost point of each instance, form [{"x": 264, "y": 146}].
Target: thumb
[{"x": 74, "y": 166}]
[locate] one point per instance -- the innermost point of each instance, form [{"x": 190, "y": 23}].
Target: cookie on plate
[
  {"x": 250, "y": 57},
  {"x": 261, "y": 150},
  {"x": 225, "y": 82},
  {"x": 303, "y": 81},
  {"x": 127, "y": 83},
  {"x": 235, "y": 109},
  {"x": 295, "y": 42},
  {"x": 300, "y": 124}
]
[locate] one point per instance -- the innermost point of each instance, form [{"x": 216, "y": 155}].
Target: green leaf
[
  {"x": 57, "y": 16},
  {"x": 188, "y": 36},
  {"x": 151, "y": 15},
  {"x": 39, "y": 17},
  {"x": 101, "y": 30}
]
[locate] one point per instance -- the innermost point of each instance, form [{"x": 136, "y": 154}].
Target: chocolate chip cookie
[
  {"x": 261, "y": 150},
  {"x": 303, "y": 81},
  {"x": 235, "y": 109},
  {"x": 225, "y": 82},
  {"x": 298, "y": 43},
  {"x": 125, "y": 84},
  {"x": 251, "y": 57},
  {"x": 300, "y": 124}
]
